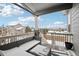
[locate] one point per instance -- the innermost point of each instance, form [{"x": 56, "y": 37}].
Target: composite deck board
[{"x": 21, "y": 50}]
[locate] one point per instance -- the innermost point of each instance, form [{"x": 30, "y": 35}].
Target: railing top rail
[
  {"x": 14, "y": 35},
  {"x": 62, "y": 33}
]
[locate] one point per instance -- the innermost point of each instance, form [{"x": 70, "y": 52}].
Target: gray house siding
[{"x": 74, "y": 13}]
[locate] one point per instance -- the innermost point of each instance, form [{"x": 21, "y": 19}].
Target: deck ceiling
[{"x": 44, "y": 8}]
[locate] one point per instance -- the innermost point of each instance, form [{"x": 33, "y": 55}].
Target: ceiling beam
[
  {"x": 60, "y": 7},
  {"x": 29, "y": 10}
]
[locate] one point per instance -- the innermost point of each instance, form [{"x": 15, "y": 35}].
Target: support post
[
  {"x": 36, "y": 28},
  {"x": 69, "y": 22}
]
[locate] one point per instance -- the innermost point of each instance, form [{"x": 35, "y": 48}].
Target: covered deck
[{"x": 37, "y": 43}]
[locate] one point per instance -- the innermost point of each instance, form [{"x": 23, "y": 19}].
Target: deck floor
[{"x": 21, "y": 50}]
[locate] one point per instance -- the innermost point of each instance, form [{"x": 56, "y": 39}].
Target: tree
[
  {"x": 44, "y": 31},
  {"x": 28, "y": 29},
  {"x": 0, "y": 31}
]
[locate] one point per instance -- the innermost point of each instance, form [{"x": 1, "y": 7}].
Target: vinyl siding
[{"x": 74, "y": 12}]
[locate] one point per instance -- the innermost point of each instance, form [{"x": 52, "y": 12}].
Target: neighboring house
[
  {"x": 3, "y": 31},
  {"x": 12, "y": 30},
  {"x": 15, "y": 29},
  {"x": 0, "y": 31}
]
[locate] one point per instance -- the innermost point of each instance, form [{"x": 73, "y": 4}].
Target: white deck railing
[
  {"x": 63, "y": 37},
  {"x": 60, "y": 36},
  {"x": 57, "y": 39},
  {"x": 9, "y": 39}
]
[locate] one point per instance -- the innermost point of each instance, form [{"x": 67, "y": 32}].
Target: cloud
[
  {"x": 22, "y": 20},
  {"x": 6, "y": 10},
  {"x": 26, "y": 21},
  {"x": 10, "y": 9},
  {"x": 58, "y": 23},
  {"x": 17, "y": 22},
  {"x": 29, "y": 18},
  {"x": 14, "y": 22}
]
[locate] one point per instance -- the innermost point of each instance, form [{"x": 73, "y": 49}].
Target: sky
[{"x": 11, "y": 15}]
